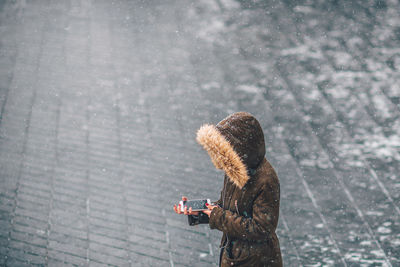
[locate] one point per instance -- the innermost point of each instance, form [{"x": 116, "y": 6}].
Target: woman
[{"x": 248, "y": 209}]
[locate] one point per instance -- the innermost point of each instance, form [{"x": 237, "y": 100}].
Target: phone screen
[{"x": 197, "y": 204}]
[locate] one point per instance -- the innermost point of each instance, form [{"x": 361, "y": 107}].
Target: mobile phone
[{"x": 195, "y": 204}]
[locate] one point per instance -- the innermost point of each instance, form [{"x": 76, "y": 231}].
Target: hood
[{"x": 235, "y": 145}]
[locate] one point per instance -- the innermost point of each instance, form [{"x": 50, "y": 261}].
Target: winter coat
[{"x": 248, "y": 208}]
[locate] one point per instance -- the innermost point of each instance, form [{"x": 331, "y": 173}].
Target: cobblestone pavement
[{"x": 100, "y": 101}]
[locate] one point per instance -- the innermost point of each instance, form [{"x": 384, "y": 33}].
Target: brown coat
[{"x": 248, "y": 209}]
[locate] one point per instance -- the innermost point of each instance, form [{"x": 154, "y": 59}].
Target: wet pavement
[{"x": 100, "y": 102}]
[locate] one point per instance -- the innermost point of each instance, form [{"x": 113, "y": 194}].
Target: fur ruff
[{"x": 222, "y": 154}]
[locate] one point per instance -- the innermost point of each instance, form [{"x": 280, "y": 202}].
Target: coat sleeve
[
  {"x": 262, "y": 222},
  {"x": 202, "y": 218}
]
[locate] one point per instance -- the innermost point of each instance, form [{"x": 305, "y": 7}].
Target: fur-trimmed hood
[{"x": 235, "y": 145}]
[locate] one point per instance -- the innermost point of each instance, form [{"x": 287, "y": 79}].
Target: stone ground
[{"x": 100, "y": 102}]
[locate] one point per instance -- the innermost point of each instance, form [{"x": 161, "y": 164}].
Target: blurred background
[{"x": 100, "y": 102}]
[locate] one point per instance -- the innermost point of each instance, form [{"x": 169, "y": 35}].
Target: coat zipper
[{"x": 229, "y": 204}]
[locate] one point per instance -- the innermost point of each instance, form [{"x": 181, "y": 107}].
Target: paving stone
[
  {"x": 12, "y": 261},
  {"x": 56, "y": 262},
  {"x": 74, "y": 231},
  {"x": 70, "y": 248},
  {"x": 29, "y": 245},
  {"x": 64, "y": 238},
  {"x": 66, "y": 257},
  {"x": 23, "y": 257}
]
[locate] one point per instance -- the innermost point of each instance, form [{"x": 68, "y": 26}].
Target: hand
[
  {"x": 177, "y": 209},
  {"x": 210, "y": 208}
]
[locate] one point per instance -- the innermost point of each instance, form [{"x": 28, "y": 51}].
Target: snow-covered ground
[{"x": 100, "y": 102}]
